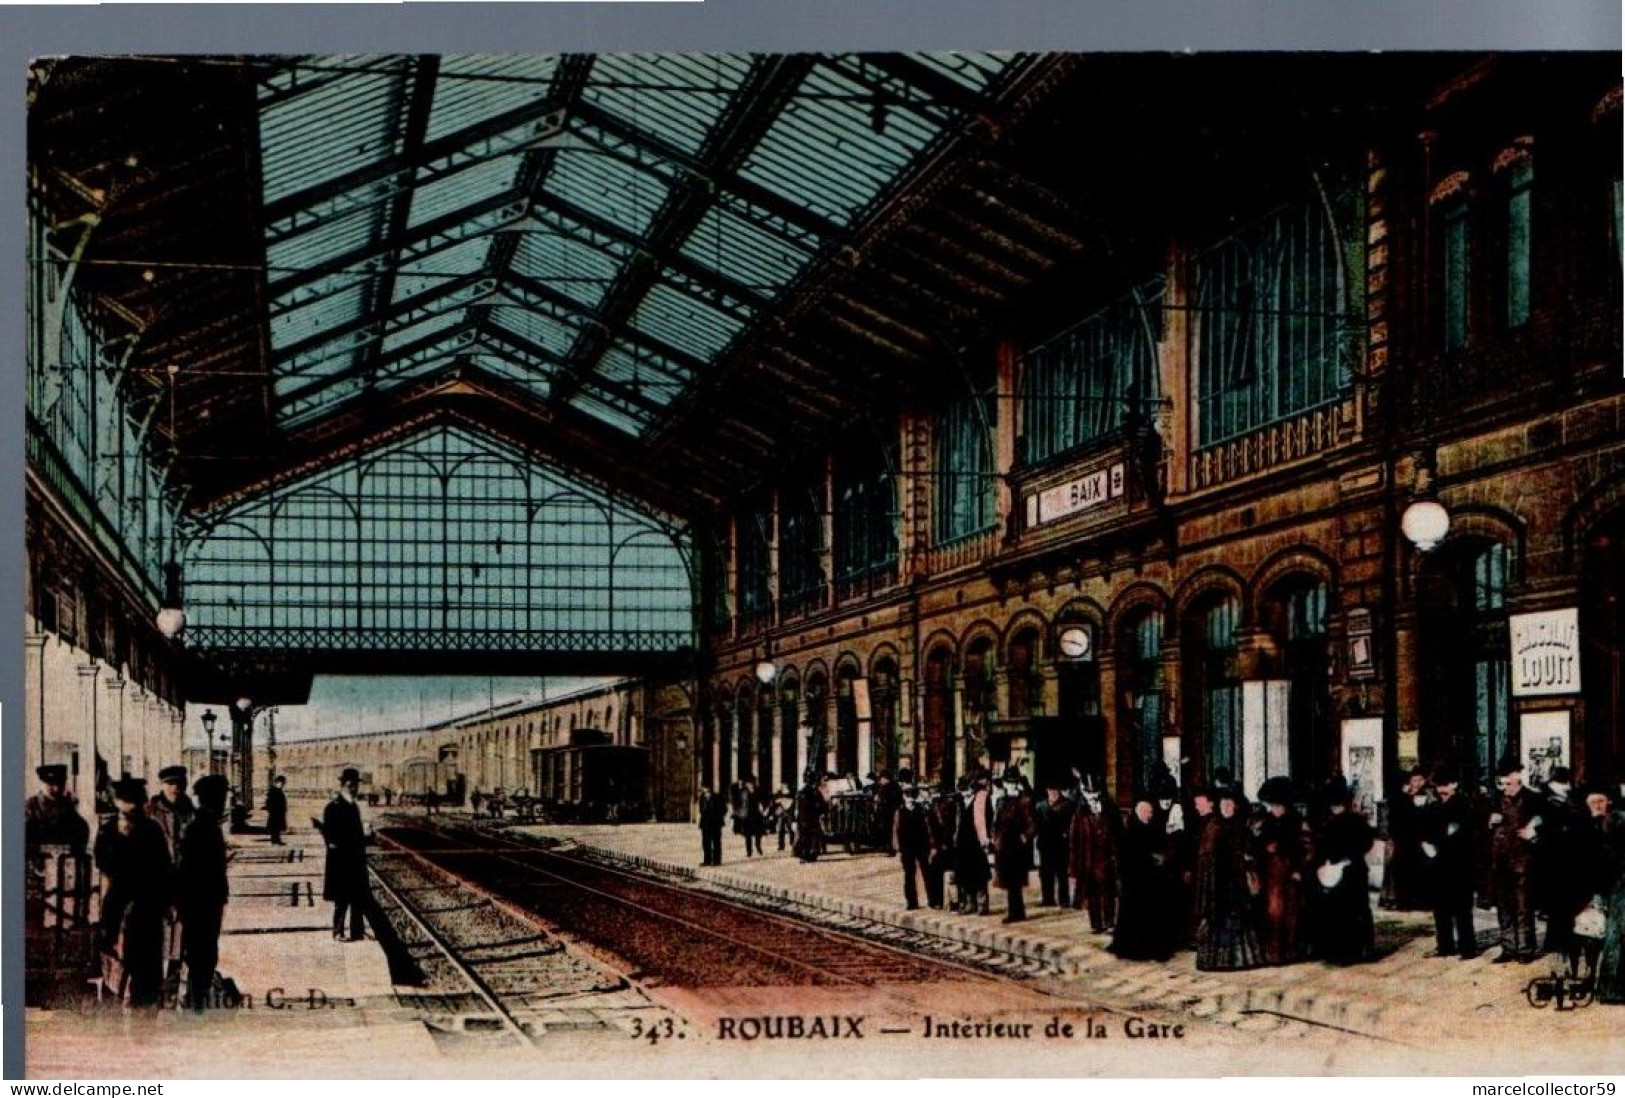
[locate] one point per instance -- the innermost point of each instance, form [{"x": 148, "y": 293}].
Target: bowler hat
[
  {"x": 1336, "y": 790},
  {"x": 173, "y": 774},
  {"x": 52, "y": 773},
  {"x": 1509, "y": 765},
  {"x": 1446, "y": 775},
  {"x": 350, "y": 774}
]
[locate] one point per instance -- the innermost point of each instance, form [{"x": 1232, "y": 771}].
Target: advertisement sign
[{"x": 1545, "y": 653}]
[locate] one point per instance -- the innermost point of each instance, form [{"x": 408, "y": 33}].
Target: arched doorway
[
  {"x": 818, "y": 736},
  {"x": 1295, "y": 615},
  {"x": 1212, "y": 685},
  {"x": 977, "y": 686},
  {"x": 1465, "y": 673},
  {"x": 790, "y": 724},
  {"x": 766, "y": 771},
  {"x": 937, "y": 762},
  {"x": 1140, "y": 696},
  {"x": 1602, "y": 641}
]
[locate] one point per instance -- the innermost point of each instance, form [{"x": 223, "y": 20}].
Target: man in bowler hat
[
  {"x": 1445, "y": 841},
  {"x": 201, "y": 890},
  {"x": 345, "y": 879},
  {"x": 1515, "y": 828}
]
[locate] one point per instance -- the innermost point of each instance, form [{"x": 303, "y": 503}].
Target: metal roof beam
[
  {"x": 582, "y": 315},
  {"x": 406, "y": 310},
  {"x": 419, "y": 100}
]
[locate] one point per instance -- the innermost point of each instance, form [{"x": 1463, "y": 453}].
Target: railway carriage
[{"x": 592, "y": 780}]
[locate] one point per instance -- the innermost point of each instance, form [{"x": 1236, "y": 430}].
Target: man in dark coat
[
  {"x": 888, "y": 797},
  {"x": 912, "y": 837},
  {"x": 713, "y": 819},
  {"x": 51, "y": 816},
  {"x": 1054, "y": 815},
  {"x": 132, "y": 854},
  {"x": 201, "y": 890},
  {"x": 1014, "y": 828},
  {"x": 345, "y": 879},
  {"x": 1097, "y": 831},
  {"x": 1515, "y": 829},
  {"x": 1563, "y": 891},
  {"x": 943, "y": 816},
  {"x": 1445, "y": 839},
  {"x": 1343, "y": 929},
  {"x": 171, "y": 809},
  {"x": 1404, "y": 868},
  {"x": 810, "y": 808},
  {"x": 1148, "y": 922},
  {"x": 276, "y": 809}
]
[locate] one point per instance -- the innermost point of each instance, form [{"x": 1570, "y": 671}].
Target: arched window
[
  {"x": 790, "y": 723},
  {"x": 1140, "y": 694},
  {"x": 745, "y": 737},
  {"x": 765, "y": 770},
  {"x": 1213, "y": 709},
  {"x": 846, "y": 722}
]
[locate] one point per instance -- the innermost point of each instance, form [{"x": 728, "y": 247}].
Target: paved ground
[
  {"x": 1406, "y": 1013},
  {"x": 1460, "y": 1017}
]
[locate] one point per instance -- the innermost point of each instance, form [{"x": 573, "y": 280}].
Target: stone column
[
  {"x": 86, "y": 743},
  {"x": 956, "y": 729},
  {"x": 803, "y": 743},
  {"x": 34, "y": 699},
  {"x": 1116, "y": 776},
  {"x": 776, "y": 763},
  {"x": 117, "y": 748}
]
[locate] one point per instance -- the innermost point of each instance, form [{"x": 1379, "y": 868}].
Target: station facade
[{"x": 1173, "y": 535}]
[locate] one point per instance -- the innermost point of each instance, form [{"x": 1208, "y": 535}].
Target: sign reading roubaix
[
  {"x": 1545, "y": 653},
  {"x": 1079, "y": 494}
]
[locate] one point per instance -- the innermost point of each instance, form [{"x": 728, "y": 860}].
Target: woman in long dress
[
  {"x": 810, "y": 805},
  {"x": 1147, "y": 920},
  {"x": 1282, "y": 858},
  {"x": 1226, "y": 938}
]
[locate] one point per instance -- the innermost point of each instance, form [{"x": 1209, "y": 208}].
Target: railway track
[
  {"x": 492, "y": 974},
  {"x": 674, "y": 935}
]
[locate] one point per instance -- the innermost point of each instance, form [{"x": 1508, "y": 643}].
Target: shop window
[{"x": 1092, "y": 379}]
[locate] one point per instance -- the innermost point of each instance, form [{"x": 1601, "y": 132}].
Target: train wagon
[{"x": 592, "y": 782}]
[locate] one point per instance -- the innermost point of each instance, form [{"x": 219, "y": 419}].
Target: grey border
[{"x": 741, "y": 25}]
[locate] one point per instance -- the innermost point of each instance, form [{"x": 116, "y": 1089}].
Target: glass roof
[{"x": 597, "y": 229}]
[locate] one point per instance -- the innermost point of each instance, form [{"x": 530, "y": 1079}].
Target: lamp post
[{"x": 209, "y": 719}]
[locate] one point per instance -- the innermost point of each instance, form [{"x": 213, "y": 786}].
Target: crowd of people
[
  {"x": 1244, "y": 882},
  {"x": 163, "y": 864}
]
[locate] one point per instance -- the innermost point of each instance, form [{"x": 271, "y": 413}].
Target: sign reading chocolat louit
[{"x": 1545, "y": 652}]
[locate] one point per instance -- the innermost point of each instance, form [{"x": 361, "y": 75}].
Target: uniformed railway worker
[{"x": 52, "y": 815}]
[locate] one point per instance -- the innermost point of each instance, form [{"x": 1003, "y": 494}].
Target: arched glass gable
[{"x": 445, "y": 541}]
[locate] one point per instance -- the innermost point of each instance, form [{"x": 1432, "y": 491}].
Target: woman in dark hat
[
  {"x": 1282, "y": 855},
  {"x": 973, "y": 835},
  {"x": 1148, "y": 924},
  {"x": 1226, "y": 938},
  {"x": 1343, "y": 930}
]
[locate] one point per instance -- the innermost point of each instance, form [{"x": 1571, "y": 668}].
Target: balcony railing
[
  {"x": 1279, "y": 443},
  {"x": 962, "y": 551}
]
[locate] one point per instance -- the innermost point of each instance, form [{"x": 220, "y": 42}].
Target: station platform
[
  {"x": 311, "y": 1007},
  {"x": 1458, "y": 1016}
]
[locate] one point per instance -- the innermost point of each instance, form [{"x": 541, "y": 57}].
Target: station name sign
[
  {"x": 1545, "y": 653},
  {"x": 1073, "y": 496}
]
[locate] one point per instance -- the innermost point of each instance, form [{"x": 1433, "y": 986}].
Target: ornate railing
[
  {"x": 1280, "y": 443},
  {"x": 962, "y": 551},
  {"x": 428, "y": 639}
]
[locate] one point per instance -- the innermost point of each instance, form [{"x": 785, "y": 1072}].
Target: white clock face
[{"x": 1075, "y": 643}]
